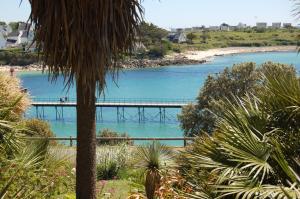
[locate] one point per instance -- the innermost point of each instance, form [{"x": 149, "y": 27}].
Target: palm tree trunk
[{"x": 86, "y": 142}]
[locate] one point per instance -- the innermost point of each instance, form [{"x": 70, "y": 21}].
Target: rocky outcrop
[
  {"x": 144, "y": 63},
  {"x": 127, "y": 64}
]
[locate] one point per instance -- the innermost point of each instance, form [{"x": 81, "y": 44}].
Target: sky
[{"x": 189, "y": 13}]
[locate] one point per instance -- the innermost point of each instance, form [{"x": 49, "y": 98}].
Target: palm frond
[
  {"x": 64, "y": 29},
  {"x": 282, "y": 92},
  {"x": 29, "y": 159},
  {"x": 247, "y": 190}
]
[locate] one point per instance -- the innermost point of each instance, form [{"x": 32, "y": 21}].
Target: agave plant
[
  {"x": 247, "y": 155},
  {"x": 153, "y": 158}
]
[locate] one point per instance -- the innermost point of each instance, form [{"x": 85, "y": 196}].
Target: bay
[{"x": 163, "y": 83}]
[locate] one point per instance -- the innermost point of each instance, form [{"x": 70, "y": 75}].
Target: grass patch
[
  {"x": 117, "y": 189},
  {"x": 246, "y": 38}
]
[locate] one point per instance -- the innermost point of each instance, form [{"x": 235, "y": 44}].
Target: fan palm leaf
[
  {"x": 282, "y": 94},
  {"x": 9, "y": 130},
  {"x": 242, "y": 153}
]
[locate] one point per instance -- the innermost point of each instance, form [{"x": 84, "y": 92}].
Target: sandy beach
[
  {"x": 189, "y": 57},
  {"x": 209, "y": 54}
]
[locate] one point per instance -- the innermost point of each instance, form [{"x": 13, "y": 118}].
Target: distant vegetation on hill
[
  {"x": 152, "y": 37},
  {"x": 251, "y": 37},
  {"x": 157, "y": 43}
]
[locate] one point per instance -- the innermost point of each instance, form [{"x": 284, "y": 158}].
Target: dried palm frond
[{"x": 84, "y": 39}]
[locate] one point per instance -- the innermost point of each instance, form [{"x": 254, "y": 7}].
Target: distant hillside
[
  {"x": 157, "y": 42},
  {"x": 246, "y": 38}
]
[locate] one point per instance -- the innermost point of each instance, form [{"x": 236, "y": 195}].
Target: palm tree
[
  {"x": 83, "y": 40},
  {"x": 153, "y": 158}
]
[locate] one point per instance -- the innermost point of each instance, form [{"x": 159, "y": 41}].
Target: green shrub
[
  {"x": 254, "y": 148},
  {"x": 38, "y": 128},
  {"x": 135, "y": 175},
  {"x": 18, "y": 58},
  {"x": 157, "y": 52},
  {"x": 107, "y": 171},
  {"x": 176, "y": 49},
  {"x": 109, "y": 133},
  {"x": 110, "y": 159},
  {"x": 241, "y": 78}
]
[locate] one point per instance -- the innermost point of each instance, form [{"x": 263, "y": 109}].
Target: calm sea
[{"x": 180, "y": 82}]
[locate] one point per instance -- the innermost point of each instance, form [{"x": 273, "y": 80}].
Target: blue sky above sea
[{"x": 188, "y": 13}]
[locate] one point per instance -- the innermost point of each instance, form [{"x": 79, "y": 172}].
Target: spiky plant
[
  {"x": 247, "y": 155},
  {"x": 153, "y": 158},
  {"x": 83, "y": 41}
]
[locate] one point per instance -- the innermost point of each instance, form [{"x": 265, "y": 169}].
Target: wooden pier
[
  {"x": 113, "y": 104},
  {"x": 119, "y": 104}
]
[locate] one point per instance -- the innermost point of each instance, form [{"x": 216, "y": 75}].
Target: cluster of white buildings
[
  {"x": 274, "y": 25},
  {"x": 226, "y": 27},
  {"x": 20, "y": 37}
]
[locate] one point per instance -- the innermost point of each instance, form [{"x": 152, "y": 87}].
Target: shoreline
[
  {"x": 186, "y": 58},
  {"x": 210, "y": 54}
]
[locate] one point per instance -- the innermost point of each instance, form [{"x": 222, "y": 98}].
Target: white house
[
  {"x": 25, "y": 37},
  {"x": 276, "y": 25},
  {"x": 20, "y": 37},
  {"x": 23, "y": 26},
  {"x": 188, "y": 29},
  {"x": 12, "y": 38},
  {"x": 2, "y": 41},
  {"x": 179, "y": 29},
  {"x": 261, "y": 25},
  {"x": 241, "y": 25},
  {"x": 224, "y": 27},
  {"x": 2, "y": 28},
  {"x": 214, "y": 28},
  {"x": 287, "y": 25},
  {"x": 5, "y": 29},
  {"x": 198, "y": 28},
  {"x": 173, "y": 29},
  {"x": 179, "y": 37}
]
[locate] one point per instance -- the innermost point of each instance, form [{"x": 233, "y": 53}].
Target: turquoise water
[{"x": 180, "y": 82}]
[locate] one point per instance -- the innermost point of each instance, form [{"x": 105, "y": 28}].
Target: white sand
[{"x": 209, "y": 54}]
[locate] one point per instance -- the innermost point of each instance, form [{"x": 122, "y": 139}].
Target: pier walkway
[{"x": 120, "y": 104}]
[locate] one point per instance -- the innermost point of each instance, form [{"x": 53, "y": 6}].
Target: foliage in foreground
[
  {"x": 27, "y": 169},
  {"x": 254, "y": 151},
  {"x": 153, "y": 158},
  {"x": 237, "y": 81},
  {"x": 35, "y": 173},
  {"x": 110, "y": 160}
]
